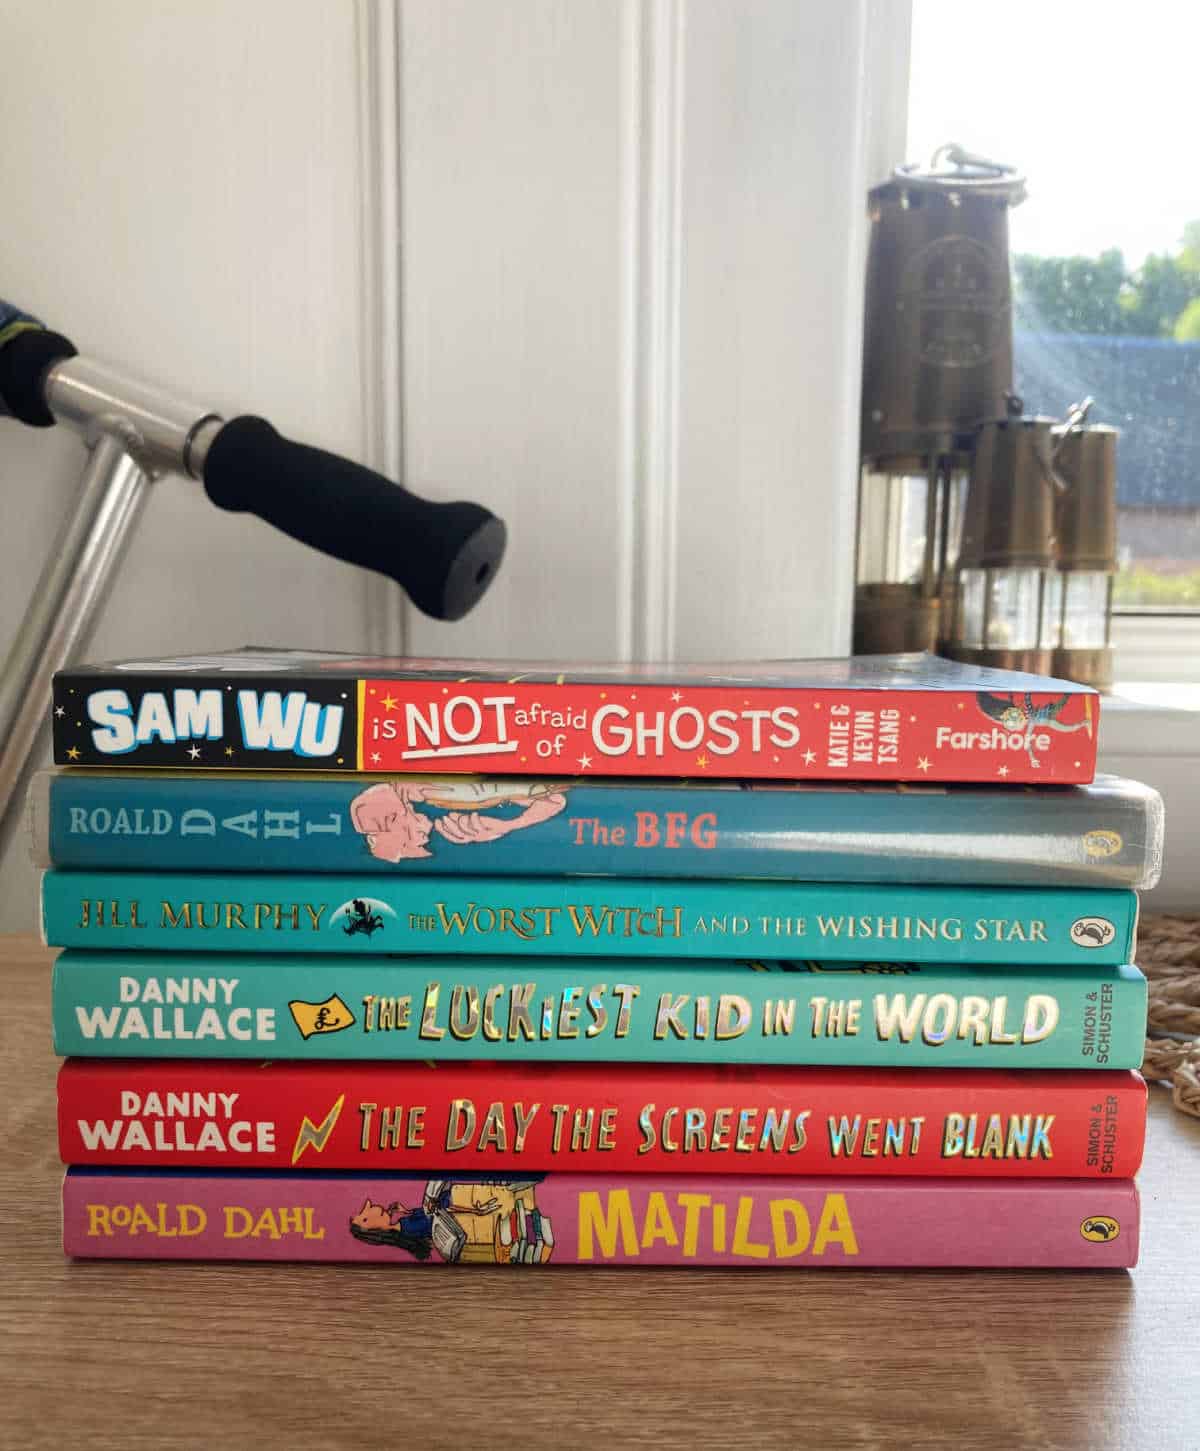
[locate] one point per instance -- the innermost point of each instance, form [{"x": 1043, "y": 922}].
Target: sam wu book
[
  {"x": 887, "y": 718},
  {"x": 638, "y": 917}
]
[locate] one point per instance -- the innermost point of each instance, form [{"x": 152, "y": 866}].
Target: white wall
[
  {"x": 180, "y": 195},
  {"x": 596, "y": 263}
]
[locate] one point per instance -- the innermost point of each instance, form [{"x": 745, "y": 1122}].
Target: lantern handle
[
  {"x": 960, "y": 157},
  {"x": 1076, "y": 415}
]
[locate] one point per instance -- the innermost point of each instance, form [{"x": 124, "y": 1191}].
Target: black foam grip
[
  {"x": 444, "y": 555},
  {"x": 24, "y": 362}
]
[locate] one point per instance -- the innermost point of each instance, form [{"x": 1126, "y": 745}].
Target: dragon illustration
[{"x": 1018, "y": 713}]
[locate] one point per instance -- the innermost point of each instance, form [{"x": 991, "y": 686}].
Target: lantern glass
[
  {"x": 957, "y": 481},
  {"x": 1085, "y": 611},
  {"x": 1051, "y": 636},
  {"x": 904, "y": 537},
  {"x": 892, "y": 527},
  {"x": 999, "y": 609},
  {"x": 968, "y": 623}
]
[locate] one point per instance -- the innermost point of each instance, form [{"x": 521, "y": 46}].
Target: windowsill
[
  {"x": 1176, "y": 695},
  {"x": 1151, "y": 717},
  {"x": 1156, "y": 648},
  {"x": 1150, "y": 730}
]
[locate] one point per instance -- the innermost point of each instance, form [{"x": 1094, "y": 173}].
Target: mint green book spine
[
  {"x": 205, "y": 1005},
  {"x": 638, "y": 917}
]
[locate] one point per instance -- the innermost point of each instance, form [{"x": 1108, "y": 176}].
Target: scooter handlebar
[{"x": 443, "y": 555}]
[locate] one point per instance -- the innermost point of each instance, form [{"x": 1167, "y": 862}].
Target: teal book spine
[
  {"x": 168, "y": 1005},
  {"x": 1108, "y": 834},
  {"x": 641, "y": 917}
]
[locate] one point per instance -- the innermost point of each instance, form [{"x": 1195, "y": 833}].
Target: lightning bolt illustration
[{"x": 316, "y": 1136}]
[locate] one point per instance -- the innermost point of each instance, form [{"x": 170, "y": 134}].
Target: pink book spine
[{"x": 593, "y": 1219}]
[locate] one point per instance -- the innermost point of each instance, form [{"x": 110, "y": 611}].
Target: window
[{"x": 1096, "y": 107}]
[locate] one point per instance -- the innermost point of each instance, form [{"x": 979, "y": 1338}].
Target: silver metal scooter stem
[
  {"x": 159, "y": 431},
  {"x": 62, "y": 613},
  {"x": 135, "y": 433}
]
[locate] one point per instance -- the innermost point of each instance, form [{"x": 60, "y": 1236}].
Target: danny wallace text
[
  {"x": 176, "y": 1008},
  {"x": 182, "y": 1123}
]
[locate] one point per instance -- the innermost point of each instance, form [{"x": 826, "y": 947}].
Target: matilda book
[
  {"x": 1106, "y": 834},
  {"x": 612, "y": 916},
  {"x": 885, "y": 717},
  {"x": 619, "y": 1118},
  {"x": 590, "y": 1219},
  {"x": 204, "y": 1005}
]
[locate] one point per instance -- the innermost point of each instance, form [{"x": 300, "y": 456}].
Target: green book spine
[
  {"x": 595, "y": 1010},
  {"x": 611, "y": 917}
]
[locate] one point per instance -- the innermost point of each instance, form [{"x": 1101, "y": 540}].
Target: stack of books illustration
[{"x": 425, "y": 962}]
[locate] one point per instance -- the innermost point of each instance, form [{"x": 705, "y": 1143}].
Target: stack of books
[{"x": 754, "y": 964}]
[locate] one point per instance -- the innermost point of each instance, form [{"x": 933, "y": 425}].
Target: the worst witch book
[
  {"x": 605, "y": 916},
  {"x": 885, "y": 718}
]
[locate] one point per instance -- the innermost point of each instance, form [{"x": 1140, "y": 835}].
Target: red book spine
[
  {"x": 627, "y": 1118},
  {"x": 684, "y": 730}
]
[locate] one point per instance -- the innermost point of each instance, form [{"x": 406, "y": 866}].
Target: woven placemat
[{"x": 1169, "y": 955}]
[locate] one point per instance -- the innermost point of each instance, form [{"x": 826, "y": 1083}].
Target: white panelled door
[
  {"x": 595, "y": 263},
  {"x": 630, "y": 240}
]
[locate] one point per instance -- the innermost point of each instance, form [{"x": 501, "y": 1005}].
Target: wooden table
[{"x": 135, "y": 1355}]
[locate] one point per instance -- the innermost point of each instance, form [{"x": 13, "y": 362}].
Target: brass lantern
[
  {"x": 1005, "y": 592},
  {"x": 1085, "y": 459},
  {"x": 937, "y": 364}
]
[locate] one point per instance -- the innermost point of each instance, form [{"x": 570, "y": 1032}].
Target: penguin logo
[
  {"x": 1102, "y": 843},
  {"x": 1092, "y": 931},
  {"x": 1100, "y": 1229}
]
